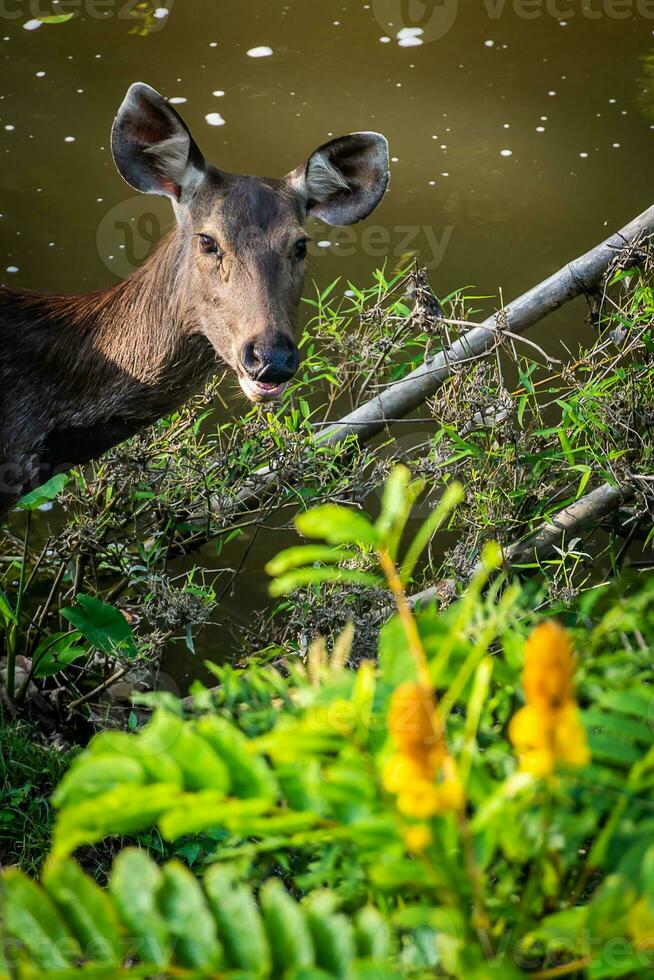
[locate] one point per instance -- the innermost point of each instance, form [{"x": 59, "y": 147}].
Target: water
[{"x": 518, "y": 141}]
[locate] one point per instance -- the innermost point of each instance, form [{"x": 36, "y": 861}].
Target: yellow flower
[
  {"x": 548, "y": 731},
  {"x": 418, "y": 838},
  {"x": 571, "y": 744},
  {"x": 421, "y": 773},
  {"x": 549, "y": 667},
  {"x": 400, "y": 771},
  {"x": 424, "y": 799},
  {"x": 413, "y": 720}
]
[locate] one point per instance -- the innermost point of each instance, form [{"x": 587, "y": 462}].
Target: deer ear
[
  {"x": 152, "y": 146},
  {"x": 344, "y": 180}
]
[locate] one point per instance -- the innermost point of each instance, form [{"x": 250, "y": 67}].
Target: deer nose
[{"x": 270, "y": 362}]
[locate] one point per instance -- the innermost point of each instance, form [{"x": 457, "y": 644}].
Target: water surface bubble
[
  {"x": 214, "y": 119},
  {"x": 262, "y": 51}
]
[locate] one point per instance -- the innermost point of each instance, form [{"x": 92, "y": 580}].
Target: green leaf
[
  {"x": 396, "y": 664},
  {"x": 302, "y": 577},
  {"x": 239, "y": 923},
  {"x": 48, "y": 491},
  {"x": 102, "y": 625},
  {"x": 135, "y": 884},
  {"x": 201, "y": 766},
  {"x": 56, "y": 18},
  {"x": 290, "y": 939},
  {"x": 189, "y": 922},
  {"x": 250, "y": 775},
  {"x": 333, "y": 935},
  {"x": 398, "y": 498},
  {"x": 90, "y": 776},
  {"x": 6, "y": 612},
  {"x": 87, "y": 909},
  {"x": 158, "y": 765},
  {"x": 607, "y": 966},
  {"x": 121, "y": 811},
  {"x": 56, "y": 652},
  {"x": 32, "y": 917},
  {"x": 562, "y": 927},
  {"x": 307, "y": 555},
  {"x": 196, "y": 813},
  {"x": 629, "y": 702},
  {"x": 337, "y": 525},
  {"x": 451, "y": 498},
  {"x": 608, "y": 749},
  {"x": 374, "y": 936}
]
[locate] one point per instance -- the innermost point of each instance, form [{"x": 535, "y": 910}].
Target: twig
[{"x": 115, "y": 677}]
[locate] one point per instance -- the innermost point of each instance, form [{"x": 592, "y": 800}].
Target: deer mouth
[{"x": 259, "y": 391}]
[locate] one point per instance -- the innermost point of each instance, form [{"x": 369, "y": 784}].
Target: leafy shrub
[
  {"x": 484, "y": 785},
  {"x": 30, "y": 768},
  {"x": 162, "y": 917}
]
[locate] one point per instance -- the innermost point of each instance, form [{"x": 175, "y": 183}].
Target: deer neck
[{"x": 133, "y": 349}]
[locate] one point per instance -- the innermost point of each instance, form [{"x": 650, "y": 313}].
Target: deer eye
[
  {"x": 208, "y": 245},
  {"x": 300, "y": 250}
]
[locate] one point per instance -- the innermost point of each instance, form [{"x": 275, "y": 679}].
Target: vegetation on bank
[
  {"x": 479, "y": 799},
  {"x": 459, "y": 787}
]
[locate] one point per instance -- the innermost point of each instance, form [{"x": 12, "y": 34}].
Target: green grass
[{"x": 29, "y": 771}]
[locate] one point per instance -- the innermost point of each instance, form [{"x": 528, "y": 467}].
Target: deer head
[{"x": 242, "y": 240}]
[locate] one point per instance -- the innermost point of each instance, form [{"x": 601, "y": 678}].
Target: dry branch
[
  {"x": 585, "y": 513},
  {"x": 578, "y": 277},
  {"x": 573, "y": 520}
]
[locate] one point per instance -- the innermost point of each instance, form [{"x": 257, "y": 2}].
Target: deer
[{"x": 80, "y": 374}]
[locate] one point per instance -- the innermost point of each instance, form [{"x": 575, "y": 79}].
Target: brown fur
[{"x": 80, "y": 373}]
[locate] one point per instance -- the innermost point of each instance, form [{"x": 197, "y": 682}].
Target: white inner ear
[
  {"x": 170, "y": 158},
  {"x": 323, "y": 179}
]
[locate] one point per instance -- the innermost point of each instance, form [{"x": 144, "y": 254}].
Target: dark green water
[{"x": 519, "y": 137}]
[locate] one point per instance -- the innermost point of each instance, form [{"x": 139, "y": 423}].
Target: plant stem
[
  {"x": 408, "y": 620},
  {"x": 562, "y": 971},
  {"x": 115, "y": 677},
  {"x": 12, "y": 642}
]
